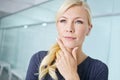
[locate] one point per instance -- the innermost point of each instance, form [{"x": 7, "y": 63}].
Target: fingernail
[{"x": 76, "y": 48}]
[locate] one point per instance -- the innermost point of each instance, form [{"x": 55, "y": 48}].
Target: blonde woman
[{"x": 66, "y": 60}]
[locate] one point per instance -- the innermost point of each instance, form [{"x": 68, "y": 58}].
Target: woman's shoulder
[
  {"x": 98, "y": 66},
  {"x": 89, "y": 61},
  {"x": 97, "y": 63},
  {"x": 93, "y": 68},
  {"x": 34, "y": 64},
  {"x": 93, "y": 64},
  {"x": 39, "y": 55}
]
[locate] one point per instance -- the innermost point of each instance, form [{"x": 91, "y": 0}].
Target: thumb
[{"x": 74, "y": 53}]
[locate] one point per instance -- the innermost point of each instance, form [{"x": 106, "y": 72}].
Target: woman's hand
[{"x": 66, "y": 62}]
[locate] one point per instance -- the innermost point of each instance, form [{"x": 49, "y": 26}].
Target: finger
[
  {"x": 61, "y": 54},
  {"x": 74, "y": 53},
  {"x": 66, "y": 53},
  {"x": 63, "y": 49},
  {"x": 61, "y": 45}
]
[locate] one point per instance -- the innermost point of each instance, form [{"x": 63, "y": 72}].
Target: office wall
[
  {"x": 114, "y": 53},
  {"x": 18, "y": 44}
]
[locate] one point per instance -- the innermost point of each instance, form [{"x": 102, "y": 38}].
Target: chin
[{"x": 70, "y": 45}]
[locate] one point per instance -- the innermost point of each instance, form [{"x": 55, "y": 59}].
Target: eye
[
  {"x": 79, "y": 22},
  {"x": 62, "y": 21}
]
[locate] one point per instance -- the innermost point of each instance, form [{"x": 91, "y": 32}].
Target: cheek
[
  {"x": 60, "y": 29},
  {"x": 81, "y": 31}
]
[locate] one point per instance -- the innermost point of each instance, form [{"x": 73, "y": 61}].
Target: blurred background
[{"x": 28, "y": 26}]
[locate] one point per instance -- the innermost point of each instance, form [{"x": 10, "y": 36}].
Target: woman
[{"x": 66, "y": 60}]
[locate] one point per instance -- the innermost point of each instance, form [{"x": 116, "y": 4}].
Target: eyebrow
[
  {"x": 63, "y": 17},
  {"x": 79, "y": 18},
  {"x": 75, "y": 18}
]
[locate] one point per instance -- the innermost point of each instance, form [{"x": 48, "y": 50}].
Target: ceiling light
[
  {"x": 25, "y": 26},
  {"x": 44, "y": 24}
]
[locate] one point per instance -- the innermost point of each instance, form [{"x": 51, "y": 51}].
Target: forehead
[{"x": 75, "y": 11}]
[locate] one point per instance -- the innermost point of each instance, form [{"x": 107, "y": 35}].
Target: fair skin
[{"x": 72, "y": 27}]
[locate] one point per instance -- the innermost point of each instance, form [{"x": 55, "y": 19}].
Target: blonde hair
[
  {"x": 47, "y": 65},
  {"x": 70, "y": 3}
]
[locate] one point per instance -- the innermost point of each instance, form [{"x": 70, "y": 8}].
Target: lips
[{"x": 70, "y": 38}]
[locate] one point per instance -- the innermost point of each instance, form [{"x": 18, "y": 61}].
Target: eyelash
[
  {"x": 77, "y": 21},
  {"x": 62, "y": 21}
]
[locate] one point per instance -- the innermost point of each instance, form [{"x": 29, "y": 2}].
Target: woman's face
[{"x": 72, "y": 26}]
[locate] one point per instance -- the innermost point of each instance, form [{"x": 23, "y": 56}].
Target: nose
[{"x": 70, "y": 28}]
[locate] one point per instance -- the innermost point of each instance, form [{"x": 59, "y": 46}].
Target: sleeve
[
  {"x": 102, "y": 73},
  {"x": 33, "y": 68}
]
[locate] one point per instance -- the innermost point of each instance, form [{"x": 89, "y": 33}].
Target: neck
[{"x": 81, "y": 56}]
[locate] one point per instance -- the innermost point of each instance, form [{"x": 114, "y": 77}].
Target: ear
[{"x": 89, "y": 29}]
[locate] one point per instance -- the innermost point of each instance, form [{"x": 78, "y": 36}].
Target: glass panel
[
  {"x": 37, "y": 14},
  {"x": 32, "y": 40},
  {"x": 114, "y": 56},
  {"x": 29, "y": 31},
  {"x": 97, "y": 43},
  {"x": 100, "y": 7},
  {"x": 117, "y": 6}
]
